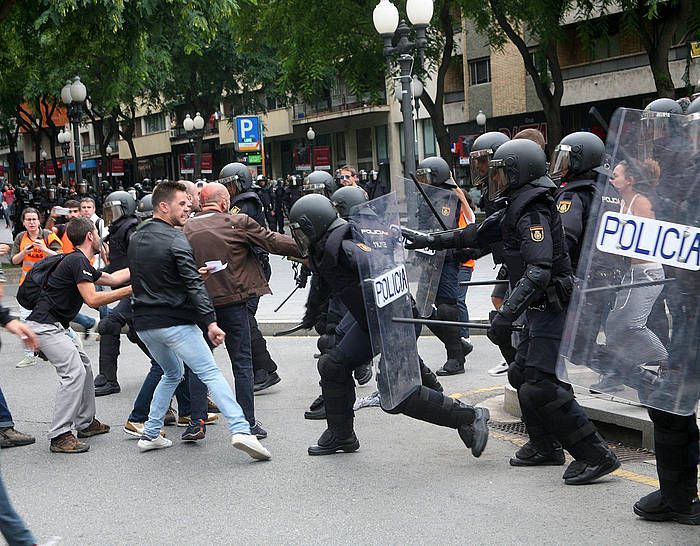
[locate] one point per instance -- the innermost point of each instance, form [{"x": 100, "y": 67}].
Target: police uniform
[
  {"x": 280, "y": 198},
  {"x": 335, "y": 257}
]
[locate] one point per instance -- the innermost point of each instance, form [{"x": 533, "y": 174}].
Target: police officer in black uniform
[
  {"x": 267, "y": 198},
  {"x": 280, "y": 198},
  {"x": 676, "y": 437},
  {"x": 541, "y": 280},
  {"x": 239, "y": 181},
  {"x": 332, "y": 244},
  {"x": 119, "y": 215}
]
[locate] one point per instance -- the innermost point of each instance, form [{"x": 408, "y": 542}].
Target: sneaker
[
  {"x": 171, "y": 417},
  {"x": 652, "y": 507},
  {"x": 363, "y": 374},
  {"x": 251, "y": 445},
  {"x": 135, "y": 429},
  {"x": 591, "y": 472},
  {"x": 148, "y": 444},
  {"x": 501, "y": 369},
  {"x": 259, "y": 432},
  {"x": 212, "y": 407},
  {"x": 110, "y": 387},
  {"x": 467, "y": 346},
  {"x": 93, "y": 429},
  {"x": 51, "y": 541},
  {"x": 476, "y": 435},
  {"x": 184, "y": 420},
  {"x": 195, "y": 431},
  {"x": 451, "y": 367},
  {"x": 67, "y": 443},
  {"x": 317, "y": 410},
  {"x": 371, "y": 401},
  {"x": 9, "y": 437},
  {"x": 29, "y": 360}
]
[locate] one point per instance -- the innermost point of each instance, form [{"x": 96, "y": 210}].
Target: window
[
  {"x": 364, "y": 144},
  {"x": 154, "y": 123},
  {"x": 381, "y": 140},
  {"x": 340, "y": 148},
  {"x": 479, "y": 71},
  {"x": 428, "y": 138}
]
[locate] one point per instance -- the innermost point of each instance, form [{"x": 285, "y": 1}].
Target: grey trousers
[{"x": 75, "y": 399}]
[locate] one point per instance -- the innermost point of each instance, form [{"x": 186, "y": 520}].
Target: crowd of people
[{"x": 185, "y": 282}]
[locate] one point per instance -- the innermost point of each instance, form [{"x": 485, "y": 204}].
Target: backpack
[{"x": 36, "y": 280}]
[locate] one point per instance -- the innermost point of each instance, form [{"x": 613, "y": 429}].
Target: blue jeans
[
  {"x": 12, "y": 526},
  {"x": 5, "y": 415},
  {"x": 233, "y": 319},
  {"x": 85, "y": 321},
  {"x": 465, "y": 275},
  {"x": 173, "y": 346},
  {"x": 139, "y": 413}
]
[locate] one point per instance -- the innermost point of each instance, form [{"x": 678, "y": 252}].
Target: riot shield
[
  {"x": 633, "y": 325},
  {"x": 424, "y": 266},
  {"x": 386, "y": 294}
]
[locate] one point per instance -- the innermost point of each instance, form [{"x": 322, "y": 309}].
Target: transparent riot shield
[
  {"x": 424, "y": 266},
  {"x": 633, "y": 326},
  {"x": 386, "y": 293}
]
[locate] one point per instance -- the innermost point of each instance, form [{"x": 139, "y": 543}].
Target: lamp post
[
  {"x": 64, "y": 139},
  {"x": 109, "y": 164},
  {"x": 481, "y": 120},
  {"x": 43, "y": 167},
  {"x": 73, "y": 96},
  {"x": 195, "y": 131},
  {"x": 386, "y": 22},
  {"x": 310, "y": 136}
]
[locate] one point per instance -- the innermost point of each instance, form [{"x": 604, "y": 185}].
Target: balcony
[
  {"x": 616, "y": 64},
  {"x": 179, "y": 133},
  {"x": 336, "y": 104}
]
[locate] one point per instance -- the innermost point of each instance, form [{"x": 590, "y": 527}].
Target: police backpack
[{"x": 36, "y": 280}]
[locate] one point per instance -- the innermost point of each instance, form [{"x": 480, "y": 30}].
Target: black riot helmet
[
  {"x": 514, "y": 164},
  {"x": 348, "y": 197},
  {"x": 236, "y": 177},
  {"x": 310, "y": 217},
  {"x": 320, "y": 182},
  {"x": 116, "y": 205},
  {"x": 577, "y": 154},
  {"x": 82, "y": 187},
  {"x": 482, "y": 151},
  {"x": 436, "y": 172},
  {"x": 144, "y": 209}
]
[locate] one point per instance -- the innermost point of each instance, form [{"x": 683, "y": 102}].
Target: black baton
[
  {"x": 618, "y": 287},
  {"x": 432, "y": 208},
  {"x": 475, "y": 325},
  {"x": 483, "y": 283},
  {"x": 291, "y": 331}
]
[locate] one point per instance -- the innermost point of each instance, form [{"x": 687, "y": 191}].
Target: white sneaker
[
  {"x": 251, "y": 445},
  {"x": 501, "y": 369},
  {"x": 29, "y": 360},
  {"x": 371, "y": 401},
  {"x": 146, "y": 444}
]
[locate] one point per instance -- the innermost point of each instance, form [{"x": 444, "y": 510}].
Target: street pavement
[{"x": 410, "y": 482}]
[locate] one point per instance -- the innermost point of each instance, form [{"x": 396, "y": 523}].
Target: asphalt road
[{"x": 410, "y": 482}]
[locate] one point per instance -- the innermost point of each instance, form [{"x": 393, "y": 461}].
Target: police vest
[
  {"x": 533, "y": 200},
  {"x": 35, "y": 254},
  {"x": 119, "y": 242},
  {"x": 249, "y": 203}
]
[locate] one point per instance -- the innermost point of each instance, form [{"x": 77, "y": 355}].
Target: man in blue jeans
[{"x": 170, "y": 303}]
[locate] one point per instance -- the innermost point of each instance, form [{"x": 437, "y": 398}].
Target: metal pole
[
  {"x": 76, "y": 144},
  {"x": 409, "y": 137},
  {"x": 197, "y": 154}
]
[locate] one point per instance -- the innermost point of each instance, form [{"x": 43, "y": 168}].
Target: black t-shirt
[{"x": 61, "y": 300}]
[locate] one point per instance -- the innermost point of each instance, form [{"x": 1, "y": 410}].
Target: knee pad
[
  {"x": 331, "y": 367},
  {"x": 326, "y": 342},
  {"x": 516, "y": 376},
  {"x": 409, "y": 402},
  {"x": 109, "y": 326}
]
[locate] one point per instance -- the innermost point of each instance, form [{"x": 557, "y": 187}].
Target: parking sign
[{"x": 247, "y": 133}]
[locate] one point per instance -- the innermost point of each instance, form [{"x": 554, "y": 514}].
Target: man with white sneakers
[{"x": 170, "y": 304}]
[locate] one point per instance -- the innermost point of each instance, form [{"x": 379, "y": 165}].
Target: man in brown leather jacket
[{"x": 217, "y": 236}]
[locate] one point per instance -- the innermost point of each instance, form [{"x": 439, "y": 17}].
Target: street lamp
[
  {"x": 481, "y": 120},
  {"x": 310, "y": 136},
  {"x": 195, "y": 132},
  {"x": 64, "y": 139},
  {"x": 109, "y": 163},
  {"x": 73, "y": 95},
  {"x": 43, "y": 166},
  {"x": 386, "y": 22}
]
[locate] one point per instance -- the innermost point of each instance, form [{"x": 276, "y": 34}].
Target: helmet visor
[
  {"x": 559, "y": 165},
  {"x": 424, "y": 176},
  {"x": 233, "y": 183},
  {"x": 112, "y": 211},
  {"x": 313, "y": 188},
  {"x": 302, "y": 239},
  {"x": 498, "y": 179},
  {"x": 479, "y": 166}
]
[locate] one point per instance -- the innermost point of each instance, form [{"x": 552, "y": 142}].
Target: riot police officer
[
  {"x": 267, "y": 198},
  {"x": 320, "y": 182},
  {"x": 541, "y": 281},
  {"x": 436, "y": 172},
  {"x": 239, "y": 181},
  {"x": 119, "y": 215},
  {"x": 335, "y": 248},
  {"x": 279, "y": 200}
]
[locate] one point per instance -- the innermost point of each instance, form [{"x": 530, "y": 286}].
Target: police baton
[
  {"x": 290, "y": 331},
  {"x": 483, "y": 283},
  {"x": 285, "y": 301},
  {"x": 430, "y": 204},
  {"x": 618, "y": 287},
  {"x": 428, "y": 322}
]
